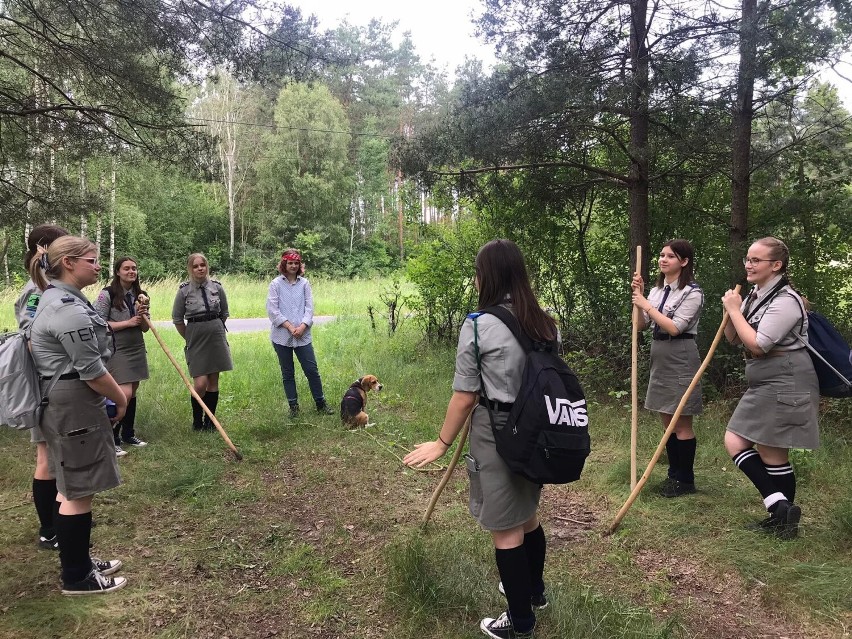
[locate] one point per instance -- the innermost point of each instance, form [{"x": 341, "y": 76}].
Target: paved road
[{"x": 251, "y": 325}]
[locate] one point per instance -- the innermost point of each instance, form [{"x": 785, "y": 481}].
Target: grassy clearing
[{"x": 316, "y": 532}]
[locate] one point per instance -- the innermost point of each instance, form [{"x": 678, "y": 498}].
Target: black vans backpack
[
  {"x": 831, "y": 356},
  {"x": 546, "y": 437}
]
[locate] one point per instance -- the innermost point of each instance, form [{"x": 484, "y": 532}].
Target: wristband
[{"x": 440, "y": 439}]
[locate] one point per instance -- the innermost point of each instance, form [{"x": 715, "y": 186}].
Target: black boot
[
  {"x": 197, "y": 414},
  {"x": 212, "y": 400}
]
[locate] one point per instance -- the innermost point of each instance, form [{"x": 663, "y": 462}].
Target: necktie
[
  {"x": 204, "y": 296},
  {"x": 128, "y": 298},
  {"x": 749, "y": 301},
  {"x": 666, "y": 291}
]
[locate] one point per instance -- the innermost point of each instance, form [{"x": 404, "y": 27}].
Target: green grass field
[{"x": 316, "y": 533}]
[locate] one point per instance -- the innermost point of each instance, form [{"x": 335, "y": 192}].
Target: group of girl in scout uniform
[{"x": 778, "y": 410}]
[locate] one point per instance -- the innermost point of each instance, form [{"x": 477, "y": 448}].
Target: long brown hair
[
  {"x": 684, "y": 251},
  {"x": 42, "y": 236},
  {"x": 502, "y": 273},
  {"x": 59, "y": 249},
  {"x": 116, "y": 290}
]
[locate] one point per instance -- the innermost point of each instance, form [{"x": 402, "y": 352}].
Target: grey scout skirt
[
  {"x": 129, "y": 363},
  {"x": 207, "y": 350},
  {"x": 499, "y": 498},
  {"x": 79, "y": 438},
  {"x": 780, "y": 406},
  {"x": 673, "y": 365}
]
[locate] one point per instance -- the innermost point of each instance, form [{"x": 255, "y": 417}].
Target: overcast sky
[{"x": 439, "y": 28}]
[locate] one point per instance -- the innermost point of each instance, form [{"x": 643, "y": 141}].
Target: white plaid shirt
[{"x": 291, "y": 302}]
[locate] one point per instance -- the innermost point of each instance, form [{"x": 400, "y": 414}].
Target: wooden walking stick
[
  {"x": 635, "y": 493},
  {"x": 192, "y": 391},
  {"x": 449, "y": 471},
  {"x": 634, "y": 380}
]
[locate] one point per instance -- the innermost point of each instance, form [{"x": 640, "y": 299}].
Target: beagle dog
[{"x": 355, "y": 399}]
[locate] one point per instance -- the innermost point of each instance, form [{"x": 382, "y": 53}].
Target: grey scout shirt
[
  {"x": 198, "y": 300},
  {"x": 66, "y": 326},
  {"x": 777, "y": 321},
  {"x": 502, "y": 356},
  {"x": 683, "y": 306},
  {"x": 293, "y": 303}
]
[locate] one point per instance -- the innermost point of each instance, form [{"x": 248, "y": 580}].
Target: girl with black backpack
[{"x": 503, "y": 502}]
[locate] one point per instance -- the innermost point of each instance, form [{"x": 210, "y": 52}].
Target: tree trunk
[
  {"x": 639, "y": 126},
  {"x": 741, "y": 144},
  {"x": 84, "y": 223},
  {"x": 112, "y": 191}
]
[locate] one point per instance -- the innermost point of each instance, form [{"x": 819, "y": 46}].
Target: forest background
[{"x": 239, "y": 128}]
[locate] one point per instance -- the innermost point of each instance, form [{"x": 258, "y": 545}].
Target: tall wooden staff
[
  {"x": 635, "y": 492},
  {"x": 449, "y": 471},
  {"x": 143, "y": 301},
  {"x": 634, "y": 380}
]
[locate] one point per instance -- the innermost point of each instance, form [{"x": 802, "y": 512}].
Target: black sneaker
[
  {"x": 135, "y": 441},
  {"x": 538, "y": 601},
  {"x": 788, "y": 515},
  {"x": 675, "y": 488},
  {"x": 325, "y": 409},
  {"x": 106, "y": 567},
  {"x": 46, "y": 543},
  {"x": 502, "y": 628},
  {"x": 94, "y": 584},
  {"x": 294, "y": 411}
]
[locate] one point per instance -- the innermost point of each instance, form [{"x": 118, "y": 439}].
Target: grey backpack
[{"x": 21, "y": 400}]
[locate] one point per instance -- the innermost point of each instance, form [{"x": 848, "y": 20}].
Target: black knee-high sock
[
  {"x": 197, "y": 414},
  {"x": 515, "y": 574},
  {"x": 535, "y": 544},
  {"x": 672, "y": 452},
  {"x": 44, "y": 498},
  {"x": 686, "y": 460},
  {"x": 784, "y": 478},
  {"x": 750, "y": 463},
  {"x": 129, "y": 420},
  {"x": 73, "y": 533},
  {"x": 212, "y": 401}
]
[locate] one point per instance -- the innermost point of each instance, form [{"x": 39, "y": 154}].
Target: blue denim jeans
[{"x": 308, "y": 362}]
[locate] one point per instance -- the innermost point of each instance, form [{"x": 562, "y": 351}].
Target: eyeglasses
[
  {"x": 754, "y": 261},
  {"x": 91, "y": 260}
]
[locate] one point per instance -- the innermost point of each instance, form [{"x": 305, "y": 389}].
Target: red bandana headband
[{"x": 291, "y": 256}]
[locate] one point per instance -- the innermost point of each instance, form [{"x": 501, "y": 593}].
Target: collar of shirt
[
  {"x": 762, "y": 290},
  {"x": 294, "y": 282},
  {"x": 197, "y": 285},
  {"x": 674, "y": 286},
  {"x": 71, "y": 289}
]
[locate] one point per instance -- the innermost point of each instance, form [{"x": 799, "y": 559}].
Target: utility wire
[{"x": 289, "y": 128}]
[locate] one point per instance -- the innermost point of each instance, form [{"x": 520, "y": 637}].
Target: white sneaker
[{"x": 120, "y": 452}]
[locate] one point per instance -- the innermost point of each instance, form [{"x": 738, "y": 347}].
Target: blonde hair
[
  {"x": 777, "y": 250},
  {"x": 191, "y": 259},
  {"x": 59, "y": 249}
]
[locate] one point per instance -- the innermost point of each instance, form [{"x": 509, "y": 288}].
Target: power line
[{"x": 289, "y": 128}]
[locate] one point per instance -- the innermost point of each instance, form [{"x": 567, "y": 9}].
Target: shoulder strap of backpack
[
  {"x": 508, "y": 318},
  {"x": 768, "y": 297}
]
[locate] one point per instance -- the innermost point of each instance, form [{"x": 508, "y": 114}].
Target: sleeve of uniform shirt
[
  {"x": 308, "y": 317},
  {"x": 783, "y": 315},
  {"x": 687, "y": 313},
  {"x": 273, "y": 310},
  {"x": 223, "y": 303},
  {"x": 102, "y": 304},
  {"x": 466, "y": 378},
  {"x": 71, "y": 324},
  {"x": 179, "y": 307}
]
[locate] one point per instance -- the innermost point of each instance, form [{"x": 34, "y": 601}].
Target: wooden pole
[
  {"x": 192, "y": 391},
  {"x": 635, "y": 492},
  {"x": 449, "y": 471},
  {"x": 634, "y": 380}
]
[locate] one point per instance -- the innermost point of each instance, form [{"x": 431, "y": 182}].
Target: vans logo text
[{"x": 561, "y": 411}]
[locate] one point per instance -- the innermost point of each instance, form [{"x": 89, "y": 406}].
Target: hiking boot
[
  {"x": 538, "y": 601},
  {"x": 502, "y": 628},
  {"x": 789, "y": 515},
  {"x": 94, "y": 584},
  {"x": 135, "y": 441},
  {"x": 106, "y": 567},
  {"x": 325, "y": 409},
  {"x": 120, "y": 452},
  {"x": 294, "y": 411},
  {"x": 675, "y": 488},
  {"x": 48, "y": 543}
]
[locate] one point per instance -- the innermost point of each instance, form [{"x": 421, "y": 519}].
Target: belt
[
  {"x": 74, "y": 375},
  {"x": 500, "y": 407},
  {"x": 203, "y": 318},
  {"x": 665, "y": 337},
  {"x": 749, "y": 355}
]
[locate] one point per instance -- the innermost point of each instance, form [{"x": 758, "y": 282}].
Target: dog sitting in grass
[{"x": 355, "y": 399}]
